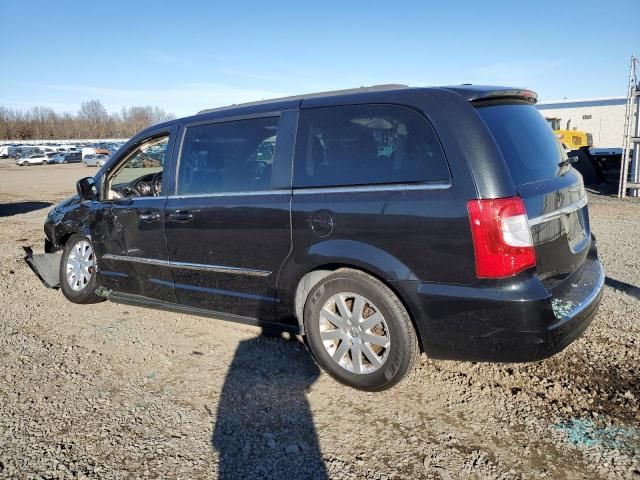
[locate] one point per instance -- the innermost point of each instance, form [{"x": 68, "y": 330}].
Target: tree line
[{"x": 91, "y": 121}]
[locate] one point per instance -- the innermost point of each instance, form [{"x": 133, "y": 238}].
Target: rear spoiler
[
  {"x": 511, "y": 94},
  {"x": 491, "y": 93}
]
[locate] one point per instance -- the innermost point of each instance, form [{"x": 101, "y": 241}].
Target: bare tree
[
  {"x": 92, "y": 121},
  {"x": 95, "y": 116}
]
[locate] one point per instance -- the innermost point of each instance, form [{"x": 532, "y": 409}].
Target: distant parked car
[
  {"x": 57, "y": 158},
  {"x": 95, "y": 160},
  {"x": 7, "y": 151},
  {"x": 34, "y": 159},
  {"x": 72, "y": 157},
  {"x": 94, "y": 151}
]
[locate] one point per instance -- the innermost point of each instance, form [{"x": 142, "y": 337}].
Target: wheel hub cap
[
  {"x": 354, "y": 333},
  {"x": 80, "y": 265}
]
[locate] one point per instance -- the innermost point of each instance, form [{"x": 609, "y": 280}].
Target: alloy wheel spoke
[
  {"x": 341, "y": 350},
  {"x": 358, "y": 307},
  {"x": 371, "y": 356},
  {"x": 356, "y": 357},
  {"x": 342, "y": 307},
  {"x": 329, "y": 335},
  {"x": 383, "y": 341},
  {"x": 333, "y": 318},
  {"x": 372, "y": 321}
]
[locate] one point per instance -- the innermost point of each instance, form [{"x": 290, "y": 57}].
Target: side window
[
  {"x": 140, "y": 174},
  {"x": 228, "y": 157},
  {"x": 366, "y": 144}
]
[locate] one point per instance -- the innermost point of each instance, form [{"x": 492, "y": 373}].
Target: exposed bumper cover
[{"x": 46, "y": 266}]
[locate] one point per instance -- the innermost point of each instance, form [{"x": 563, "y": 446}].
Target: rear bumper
[{"x": 518, "y": 322}]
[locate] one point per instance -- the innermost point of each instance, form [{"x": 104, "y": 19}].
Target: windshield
[{"x": 526, "y": 140}]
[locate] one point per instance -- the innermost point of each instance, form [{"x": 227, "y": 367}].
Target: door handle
[
  {"x": 149, "y": 216},
  {"x": 180, "y": 216}
]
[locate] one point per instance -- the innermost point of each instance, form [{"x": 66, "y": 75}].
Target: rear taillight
[{"x": 501, "y": 237}]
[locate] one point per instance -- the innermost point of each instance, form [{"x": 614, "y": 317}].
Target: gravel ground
[{"x": 110, "y": 391}]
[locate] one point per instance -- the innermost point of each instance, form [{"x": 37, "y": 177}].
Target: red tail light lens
[{"x": 501, "y": 237}]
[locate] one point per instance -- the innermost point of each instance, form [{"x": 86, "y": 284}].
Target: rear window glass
[
  {"x": 526, "y": 140},
  {"x": 366, "y": 144}
]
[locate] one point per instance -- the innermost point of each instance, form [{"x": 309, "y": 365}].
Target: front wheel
[
  {"x": 359, "y": 332},
  {"x": 78, "y": 271}
]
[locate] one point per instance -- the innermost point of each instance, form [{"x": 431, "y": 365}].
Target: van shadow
[
  {"x": 264, "y": 427},
  {"x": 627, "y": 288},
  {"x": 17, "y": 208}
]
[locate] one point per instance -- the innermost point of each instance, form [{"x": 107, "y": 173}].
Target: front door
[
  {"x": 228, "y": 225},
  {"x": 131, "y": 244}
]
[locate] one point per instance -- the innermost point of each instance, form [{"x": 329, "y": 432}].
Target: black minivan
[{"x": 379, "y": 223}]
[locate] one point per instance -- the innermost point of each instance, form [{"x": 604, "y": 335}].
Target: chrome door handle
[
  {"x": 180, "y": 216},
  {"x": 149, "y": 216}
]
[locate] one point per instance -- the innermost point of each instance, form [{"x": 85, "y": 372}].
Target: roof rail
[{"x": 373, "y": 88}]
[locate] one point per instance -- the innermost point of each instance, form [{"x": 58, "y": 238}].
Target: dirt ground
[{"x": 111, "y": 391}]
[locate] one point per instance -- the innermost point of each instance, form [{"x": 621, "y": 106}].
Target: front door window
[{"x": 140, "y": 174}]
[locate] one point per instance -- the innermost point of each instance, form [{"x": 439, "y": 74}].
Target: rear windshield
[{"x": 528, "y": 144}]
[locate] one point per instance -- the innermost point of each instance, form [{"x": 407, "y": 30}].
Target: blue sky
[{"x": 190, "y": 55}]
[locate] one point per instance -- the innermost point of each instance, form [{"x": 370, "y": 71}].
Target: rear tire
[
  {"x": 44, "y": 162},
  {"x": 78, "y": 271},
  {"x": 359, "y": 332}
]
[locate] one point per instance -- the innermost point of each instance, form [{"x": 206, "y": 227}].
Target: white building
[{"x": 603, "y": 118}]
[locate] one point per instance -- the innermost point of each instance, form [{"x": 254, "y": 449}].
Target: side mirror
[{"x": 87, "y": 188}]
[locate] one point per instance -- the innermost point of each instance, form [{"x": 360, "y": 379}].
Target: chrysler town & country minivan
[{"x": 378, "y": 223}]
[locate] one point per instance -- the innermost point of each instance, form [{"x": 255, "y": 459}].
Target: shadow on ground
[
  {"x": 9, "y": 209},
  {"x": 627, "y": 288},
  {"x": 264, "y": 427}
]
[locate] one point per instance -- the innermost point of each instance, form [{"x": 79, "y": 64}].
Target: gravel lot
[{"x": 112, "y": 391}]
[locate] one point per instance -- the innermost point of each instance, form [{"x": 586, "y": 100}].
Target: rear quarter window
[
  {"x": 365, "y": 145},
  {"x": 527, "y": 143}
]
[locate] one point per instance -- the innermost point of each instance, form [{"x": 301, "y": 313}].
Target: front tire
[
  {"x": 78, "y": 271},
  {"x": 359, "y": 332}
]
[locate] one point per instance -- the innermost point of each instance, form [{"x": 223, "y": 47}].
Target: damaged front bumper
[{"x": 46, "y": 266}]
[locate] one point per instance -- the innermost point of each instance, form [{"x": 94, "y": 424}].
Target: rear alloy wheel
[
  {"x": 44, "y": 162},
  {"x": 359, "y": 332},
  {"x": 354, "y": 333},
  {"x": 78, "y": 271}
]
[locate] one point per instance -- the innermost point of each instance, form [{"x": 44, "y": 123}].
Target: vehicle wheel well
[
  {"x": 313, "y": 277},
  {"x": 64, "y": 238}
]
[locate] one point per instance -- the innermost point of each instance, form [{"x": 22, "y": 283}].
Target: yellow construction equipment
[{"x": 570, "y": 139}]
